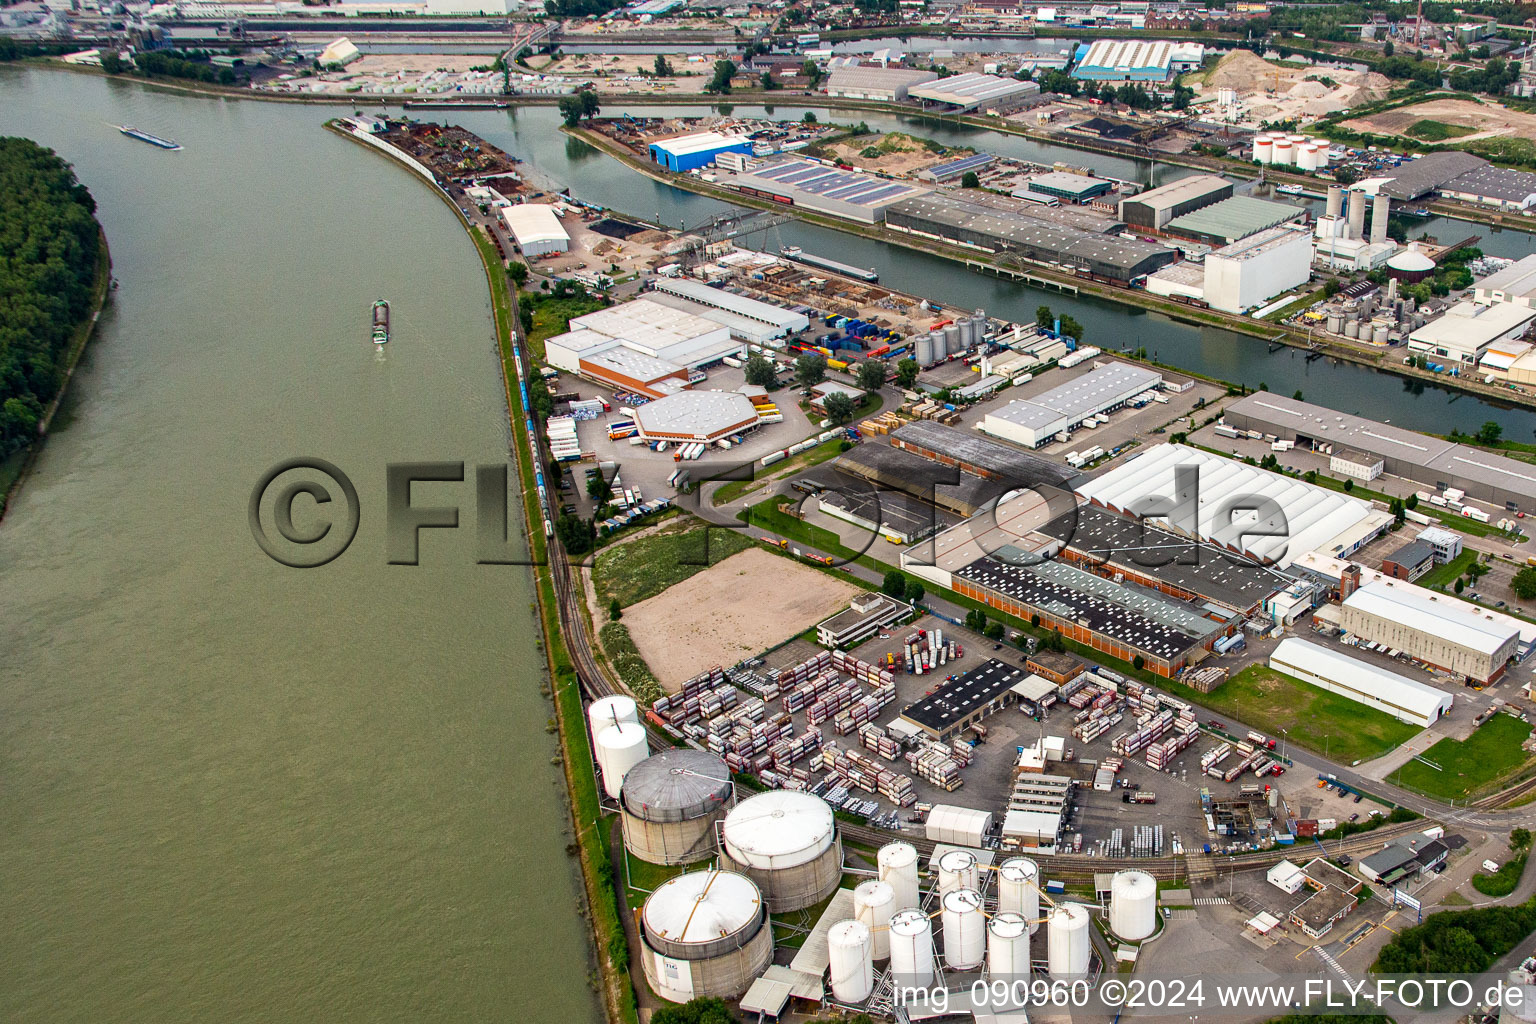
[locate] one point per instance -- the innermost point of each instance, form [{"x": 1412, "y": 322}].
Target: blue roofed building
[
  {"x": 1121, "y": 61},
  {"x": 690, "y": 152}
]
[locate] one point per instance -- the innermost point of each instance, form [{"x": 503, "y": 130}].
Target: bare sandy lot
[
  {"x": 1486, "y": 120},
  {"x": 744, "y": 604},
  {"x": 1269, "y": 91},
  {"x": 896, "y": 153}
]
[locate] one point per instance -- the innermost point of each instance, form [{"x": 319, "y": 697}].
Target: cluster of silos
[
  {"x": 787, "y": 843},
  {"x": 618, "y": 739},
  {"x": 670, "y": 804},
  {"x": 1285, "y": 150},
  {"x": 958, "y": 336},
  {"x": 1132, "y": 905},
  {"x": 1376, "y": 318},
  {"x": 705, "y": 934}
]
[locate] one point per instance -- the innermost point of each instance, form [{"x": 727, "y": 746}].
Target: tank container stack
[
  {"x": 864, "y": 710},
  {"x": 860, "y": 771},
  {"x": 877, "y": 741},
  {"x": 936, "y": 764}
]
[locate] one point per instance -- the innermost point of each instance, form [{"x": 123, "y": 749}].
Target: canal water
[
  {"x": 232, "y": 790},
  {"x": 532, "y": 134}
]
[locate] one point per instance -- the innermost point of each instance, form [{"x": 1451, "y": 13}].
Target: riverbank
[
  {"x": 1270, "y": 333},
  {"x": 15, "y": 467}
]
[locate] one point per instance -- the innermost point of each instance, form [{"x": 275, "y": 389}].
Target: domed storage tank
[
  {"x": 619, "y": 748},
  {"x": 965, "y": 930},
  {"x": 1410, "y": 265},
  {"x": 912, "y": 949},
  {"x": 1018, "y": 890},
  {"x": 1067, "y": 941},
  {"x": 706, "y": 934},
  {"x": 1008, "y": 947},
  {"x": 897, "y": 866},
  {"x": 958, "y": 870},
  {"x": 788, "y": 844},
  {"x": 1263, "y": 149},
  {"x": 616, "y": 710},
  {"x": 1132, "y": 905},
  {"x": 924, "y": 354},
  {"x": 669, "y": 805},
  {"x": 873, "y": 903},
  {"x": 849, "y": 947}
]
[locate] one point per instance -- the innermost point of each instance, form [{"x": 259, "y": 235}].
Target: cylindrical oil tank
[
  {"x": 952, "y": 342},
  {"x": 849, "y": 950},
  {"x": 1306, "y": 158},
  {"x": 1379, "y": 334},
  {"x": 1008, "y": 947},
  {"x": 958, "y": 870},
  {"x": 1018, "y": 890},
  {"x": 788, "y": 844},
  {"x": 1263, "y": 149},
  {"x": 897, "y": 865},
  {"x": 873, "y": 903},
  {"x": 619, "y": 748},
  {"x": 1297, "y": 140},
  {"x": 670, "y": 804},
  {"x": 1067, "y": 941},
  {"x": 963, "y": 333},
  {"x": 912, "y": 949},
  {"x": 924, "y": 350},
  {"x": 965, "y": 930},
  {"x": 1352, "y": 329},
  {"x": 706, "y": 934},
  {"x": 616, "y": 710},
  {"x": 1322, "y": 152},
  {"x": 1132, "y": 905},
  {"x": 1285, "y": 152},
  {"x": 1335, "y": 323}
]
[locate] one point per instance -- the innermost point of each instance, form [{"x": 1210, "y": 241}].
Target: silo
[
  {"x": 1357, "y": 201},
  {"x": 1335, "y": 201},
  {"x": 1335, "y": 323},
  {"x": 852, "y": 966},
  {"x": 952, "y": 342},
  {"x": 1132, "y": 905},
  {"x": 1018, "y": 890},
  {"x": 1067, "y": 941},
  {"x": 1381, "y": 209},
  {"x": 873, "y": 903},
  {"x": 958, "y": 870},
  {"x": 965, "y": 930},
  {"x": 1263, "y": 149},
  {"x": 897, "y": 866},
  {"x": 912, "y": 949},
  {"x": 940, "y": 344},
  {"x": 670, "y": 804},
  {"x": 788, "y": 844},
  {"x": 1379, "y": 335},
  {"x": 1008, "y": 947},
  {"x": 1285, "y": 152},
  {"x": 924, "y": 354},
  {"x": 619, "y": 748},
  {"x": 1352, "y": 329},
  {"x": 606, "y": 711},
  {"x": 1322, "y": 152},
  {"x": 1306, "y": 157},
  {"x": 963, "y": 333},
  {"x": 706, "y": 934}
]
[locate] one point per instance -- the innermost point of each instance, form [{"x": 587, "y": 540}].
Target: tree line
[{"x": 49, "y": 246}]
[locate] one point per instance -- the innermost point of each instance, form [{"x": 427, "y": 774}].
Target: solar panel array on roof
[{"x": 844, "y": 186}]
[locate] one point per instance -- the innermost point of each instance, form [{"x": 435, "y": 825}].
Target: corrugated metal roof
[
  {"x": 1423, "y": 611},
  {"x": 1234, "y": 218}
]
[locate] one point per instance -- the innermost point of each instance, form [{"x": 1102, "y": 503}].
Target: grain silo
[
  {"x": 1132, "y": 905},
  {"x": 897, "y": 866},
  {"x": 952, "y": 343},
  {"x": 1067, "y": 941},
  {"x": 1018, "y": 890},
  {"x": 619, "y": 748},
  {"x": 1008, "y": 947},
  {"x": 958, "y": 870},
  {"x": 965, "y": 930},
  {"x": 706, "y": 934},
  {"x": 874, "y": 902},
  {"x": 912, "y": 949},
  {"x": 924, "y": 350},
  {"x": 849, "y": 952},
  {"x": 670, "y": 804},
  {"x": 788, "y": 844}
]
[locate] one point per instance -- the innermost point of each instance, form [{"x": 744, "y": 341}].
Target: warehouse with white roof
[
  {"x": 1440, "y": 631},
  {"x": 640, "y": 346},
  {"x": 1203, "y": 495},
  {"x": 696, "y": 416},
  {"x": 974, "y": 91},
  {"x": 536, "y": 229},
  {"x": 1407, "y": 700},
  {"x": 1467, "y": 329},
  {"x": 777, "y": 319},
  {"x": 1034, "y": 421},
  {"x": 887, "y": 84}
]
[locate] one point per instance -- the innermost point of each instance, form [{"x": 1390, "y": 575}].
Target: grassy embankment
[
  {"x": 1503, "y": 881},
  {"x": 642, "y": 568},
  {"x": 1489, "y": 757}
]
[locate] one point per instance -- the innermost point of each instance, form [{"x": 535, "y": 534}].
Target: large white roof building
[
  {"x": 1436, "y": 629},
  {"x": 640, "y": 346},
  {"x": 1467, "y": 329},
  {"x": 1407, "y": 700},
  {"x": 1034, "y": 421},
  {"x": 1202, "y": 495},
  {"x": 536, "y": 229}
]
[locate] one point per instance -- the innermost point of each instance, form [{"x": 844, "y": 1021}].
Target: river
[{"x": 232, "y": 790}]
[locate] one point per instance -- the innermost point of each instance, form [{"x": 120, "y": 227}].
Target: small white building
[
  {"x": 536, "y": 229},
  {"x": 1287, "y": 877},
  {"x": 958, "y": 826},
  {"x": 1466, "y": 330},
  {"x": 1447, "y": 543},
  {"x": 1353, "y": 463},
  {"x": 1405, "y": 699},
  {"x": 339, "y": 53},
  {"x": 1253, "y": 270},
  {"x": 1514, "y": 284}
]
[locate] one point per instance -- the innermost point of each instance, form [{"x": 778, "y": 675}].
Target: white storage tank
[
  {"x": 924, "y": 353},
  {"x": 873, "y": 903},
  {"x": 616, "y": 710},
  {"x": 1008, "y": 947},
  {"x": 1067, "y": 941},
  {"x": 897, "y": 866},
  {"x": 965, "y": 930},
  {"x": 1306, "y": 157},
  {"x": 670, "y": 804},
  {"x": 849, "y": 948},
  {"x": 1322, "y": 152},
  {"x": 788, "y": 844},
  {"x": 1285, "y": 152},
  {"x": 912, "y": 949},
  {"x": 1132, "y": 905},
  {"x": 1018, "y": 890},
  {"x": 619, "y": 748},
  {"x": 1263, "y": 149},
  {"x": 958, "y": 870},
  {"x": 706, "y": 934}
]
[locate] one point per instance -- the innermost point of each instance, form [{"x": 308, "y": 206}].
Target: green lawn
[
  {"x": 1328, "y": 723},
  {"x": 1437, "y": 131},
  {"x": 1468, "y": 766},
  {"x": 733, "y": 489},
  {"x": 1445, "y": 575},
  {"x": 644, "y": 568},
  {"x": 1503, "y": 881},
  {"x": 553, "y": 316}
]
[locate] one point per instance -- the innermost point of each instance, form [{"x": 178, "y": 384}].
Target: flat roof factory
[
  {"x": 1423, "y": 175},
  {"x": 1077, "y": 188},
  {"x": 977, "y": 455},
  {"x": 1154, "y": 208},
  {"x": 1501, "y": 187},
  {"x": 975, "y": 91},
  {"x": 640, "y": 346},
  {"x": 1431, "y": 461},
  {"x": 899, "y": 472},
  {"x": 1466, "y": 330},
  {"x": 888, "y": 84},
  {"x": 962, "y": 702},
  {"x": 1405, "y": 699},
  {"x": 1145, "y": 62},
  {"x": 982, "y": 227},
  {"x": 782, "y": 321},
  {"x": 687, "y": 152},
  {"x": 852, "y": 195},
  {"x": 1227, "y": 221},
  {"x": 695, "y": 416},
  {"x": 1035, "y": 421},
  {"x": 1448, "y": 634}
]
